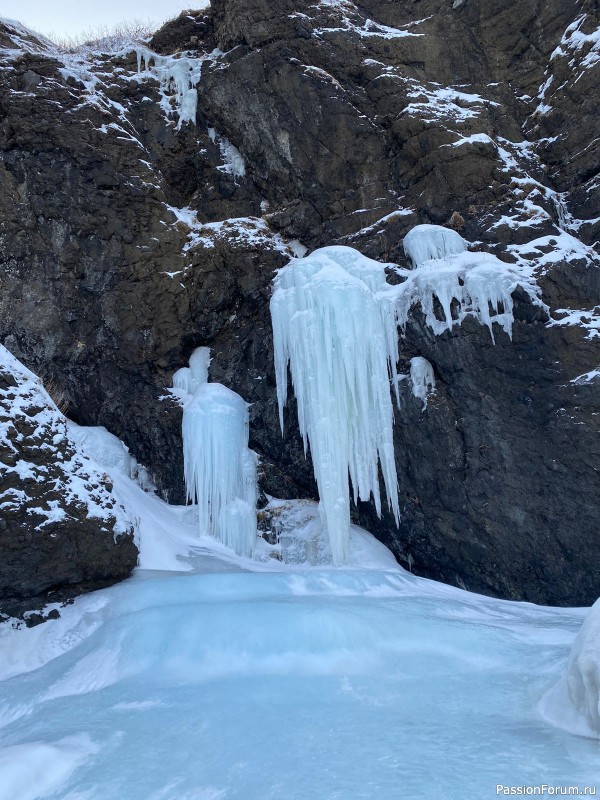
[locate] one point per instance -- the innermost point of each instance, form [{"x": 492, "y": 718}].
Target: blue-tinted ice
[{"x": 311, "y": 685}]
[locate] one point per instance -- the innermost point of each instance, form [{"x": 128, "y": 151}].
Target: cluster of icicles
[
  {"x": 335, "y": 325},
  {"x": 179, "y": 76}
]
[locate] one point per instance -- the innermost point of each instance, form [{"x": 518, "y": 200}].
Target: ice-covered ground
[{"x": 210, "y": 677}]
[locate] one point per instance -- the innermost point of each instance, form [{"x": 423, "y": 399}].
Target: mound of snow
[
  {"x": 426, "y": 242},
  {"x": 108, "y": 452},
  {"x": 39, "y": 769},
  {"x": 573, "y": 703}
]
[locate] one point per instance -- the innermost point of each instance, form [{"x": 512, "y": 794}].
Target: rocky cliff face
[
  {"x": 61, "y": 530},
  {"x": 130, "y": 236}
]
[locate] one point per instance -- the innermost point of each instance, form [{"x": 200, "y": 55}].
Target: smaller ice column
[{"x": 219, "y": 468}]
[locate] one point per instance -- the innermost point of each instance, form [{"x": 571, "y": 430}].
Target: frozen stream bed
[{"x": 268, "y": 682}]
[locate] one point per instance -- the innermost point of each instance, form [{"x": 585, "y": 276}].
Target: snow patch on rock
[
  {"x": 47, "y": 457},
  {"x": 109, "y": 452}
]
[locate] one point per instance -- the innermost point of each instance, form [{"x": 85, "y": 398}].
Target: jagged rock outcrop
[
  {"x": 128, "y": 240},
  {"x": 61, "y": 530}
]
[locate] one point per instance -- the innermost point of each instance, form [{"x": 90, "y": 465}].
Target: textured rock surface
[
  {"x": 61, "y": 530},
  {"x": 354, "y": 123}
]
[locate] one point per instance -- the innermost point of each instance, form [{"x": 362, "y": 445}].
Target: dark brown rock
[
  {"x": 354, "y": 123},
  {"x": 61, "y": 530}
]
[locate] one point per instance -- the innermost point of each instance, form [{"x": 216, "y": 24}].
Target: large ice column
[
  {"x": 219, "y": 468},
  {"x": 334, "y": 324},
  {"x": 574, "y": 702}
]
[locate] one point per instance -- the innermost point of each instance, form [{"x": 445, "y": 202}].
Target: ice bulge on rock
[{"x": 426, "y": 242}]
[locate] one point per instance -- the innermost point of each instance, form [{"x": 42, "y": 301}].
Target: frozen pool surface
[
  {"x": 211, "y": 677},
  {"x": 255, "y": 685}
]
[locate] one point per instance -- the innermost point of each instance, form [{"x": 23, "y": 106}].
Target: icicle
[
  {"x": 219, "y": 469},
  {"x": 464, "y": 283},
  {"x": 334, "y": 324},
  {"x": 475, "y": 284}
]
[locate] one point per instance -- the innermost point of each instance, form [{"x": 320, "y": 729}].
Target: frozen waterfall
[
  {"x": 219, "y": 468},
  {"x": 335, "y": 321},
  {"x": 334, "y": 324}
]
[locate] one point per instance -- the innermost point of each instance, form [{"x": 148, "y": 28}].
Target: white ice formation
[
  {"x": 426, "y": 242},
  {"x": 219, "y": 468},
  {"x": 187, "y": 379},
  {"x": 573, "y": 703},
  {"x": 178, "y": 77},
  {"x": 334, "y": 324},
  {"x": 109, "y": 452},
  {"x": 234, "y": 163},
  {"x": 335, "y": 321},
  {"x": 422, "y": 379},
  {"x": 464, "y": 283}
]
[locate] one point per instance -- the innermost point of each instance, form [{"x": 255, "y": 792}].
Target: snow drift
[{"x": 573, "y": 703}]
